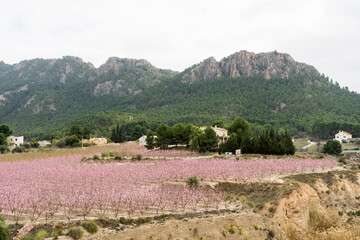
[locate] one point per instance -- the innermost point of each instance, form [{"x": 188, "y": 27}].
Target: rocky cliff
[{"x": 243, "y": 63}]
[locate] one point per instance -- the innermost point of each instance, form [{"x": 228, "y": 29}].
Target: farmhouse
[
  {"x": 220, "y": 132},
  {"x": 44, "y": 143},
  {"x": 98, "y": 141},
  {"x": 343, "y": 136},
  {"x": 15, "y": 141},
  {"x": 142, "y": 141}
]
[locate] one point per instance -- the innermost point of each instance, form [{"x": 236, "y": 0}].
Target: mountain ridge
[
  {"x": 37, "y": 95},
  {"x": 244, "y": 63}
]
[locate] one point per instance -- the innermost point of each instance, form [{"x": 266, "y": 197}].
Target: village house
[
  {"x": 342, "y": 136},
  {"x": 44, "y": 143},
  {"x": 222, "y": 134},
  {"x": 97, "y": 141},
  {"x": 15, "y": 141},
  {"x": 142, "y": 141}
]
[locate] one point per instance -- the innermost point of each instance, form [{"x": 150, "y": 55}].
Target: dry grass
[
  {"x": 324, "y": 225},
  {"x": 62, "y": 152}
]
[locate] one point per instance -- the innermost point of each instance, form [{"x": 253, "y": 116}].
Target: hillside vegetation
[{"x": 42, "y": 96}]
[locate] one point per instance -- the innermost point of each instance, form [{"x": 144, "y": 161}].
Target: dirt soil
[{"x": 225, "y": 226}]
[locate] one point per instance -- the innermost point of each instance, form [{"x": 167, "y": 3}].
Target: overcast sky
[{"x": 177, "y": 34}]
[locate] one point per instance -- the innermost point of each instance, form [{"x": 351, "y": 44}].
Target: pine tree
[{"x": 150, "y": 140}]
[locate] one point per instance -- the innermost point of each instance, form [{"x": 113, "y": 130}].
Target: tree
[
  {"x": 72, "y": 140},
  {"x": 178, "y": 134},
  {"x": 76, "y": 130},
  {"x": 117, "y": 134},
  {"x": 86, "y": 132},
  {"x": 5, "y": 129},
  {"x": 332, "y": 147},
  {"x": 208, "y": 141},
  {"x": 34, "y": 143},
  {"x": 230, "y": 145},
  {"x": 288, "y": 143},
  {"x": 3, "y": 139},
  {"x": 218, "y": 123},
  {"x": 163, "y": 136},
  {"x": 150, "y": 140},
  {"x": 239, "y": 124}
]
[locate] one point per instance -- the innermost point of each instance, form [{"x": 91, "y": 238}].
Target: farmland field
[{"x": 67, "y": 188}]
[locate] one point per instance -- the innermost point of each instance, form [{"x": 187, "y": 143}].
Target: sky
[{"x": 175, "y": 34}]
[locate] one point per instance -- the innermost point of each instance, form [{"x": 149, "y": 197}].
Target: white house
[
  {"x": 142, "y": 141},
  {"x": 15, "y": 141},
  {"x": 342, "y": 136},
  {"x": 222, "y": 133},
  {"x": 44, "y": 143}
]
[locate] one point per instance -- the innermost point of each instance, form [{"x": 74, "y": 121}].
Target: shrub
[
  {"x": 58, "y": 230},
  {"x": 256, "y": 227},
  {"x": 232, "y": 230},
  {"x": 332, "y": 147},
  {"x": 75, "y": 233},
  {"x": 319, "y": 221},
  {"x": 271, "y": 234},
  {"x": 90, "y": 227},
  {"x": 4, "y": 149},
  {"x": 18, "y": 149},
  {"x": 26, "y": 145},
  {"x": 4, "y": 231},
  {"x": 113, "y": 154},
  {"x": 28, "y": 237},
  {"x": 41, "y": 235},
  {"x": 192, "y": 181},
  {"x": 105, "y": 154},
  {"x": 123, "y": 220},
  {"x": 118, "y": 158},
  {"x": 138, "y": 157},
  {"x": 96, "y": 157},
  {"x": 61, "y": 143}
]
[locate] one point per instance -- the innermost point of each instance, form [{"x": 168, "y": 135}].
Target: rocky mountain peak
[
  {"x": 244, "y": 63},
  {"x": 115, "y": 64}
]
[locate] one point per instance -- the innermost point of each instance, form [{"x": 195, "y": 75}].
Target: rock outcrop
[{"x": 243, "y": 63}]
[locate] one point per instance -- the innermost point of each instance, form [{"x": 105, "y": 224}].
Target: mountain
[
  {"x": 40, "y": 94},
  {"x": 244, "y": 64},
  {"x": 44, "y": 95}
]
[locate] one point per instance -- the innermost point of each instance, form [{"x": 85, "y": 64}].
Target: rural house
[
  {"x": 222, "y": 133},
  {"x": 343, "y": 136},
  {"x": 98, "y": 141},
  {"x": 15, "y": 141},
  {"x": 44, "y": 143},
  {"x": 142, "y": 141}
]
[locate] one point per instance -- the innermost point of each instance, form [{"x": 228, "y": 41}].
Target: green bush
[
  {"x": 90, "y": 227},
  {"x": 138, "y": 157},
  {"x": 61, "y": 143},
  {"x": 4, "y": 149},
  {"x": 18, "y": 149},
  {"x": 332, "y": 147},
  {"x": 192, "y": 181},
  {"x": 75, "y": 233},
  {"x": 28, "y": 237},
  {"x": 105, "y": 154},
  {"x": 113, "y": 154},
  {"x": 118, "y": 158},
  {"x": 96, "y": 157},
  {"x": 124, "y": 221},
  {"x": 232, "y": 230},
  {"x": 4, "y": 231},
  {"x": 41, "y": 235},
  {"x": 58, "y": 230}
]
